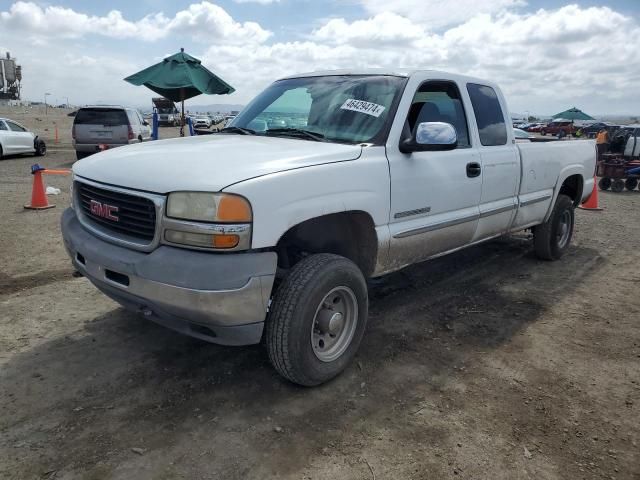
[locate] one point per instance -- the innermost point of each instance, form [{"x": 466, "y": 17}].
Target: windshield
[{"x": 351, "y": 109}]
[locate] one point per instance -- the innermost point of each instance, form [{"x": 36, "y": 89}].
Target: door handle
[{"x": 473, "y": 169}]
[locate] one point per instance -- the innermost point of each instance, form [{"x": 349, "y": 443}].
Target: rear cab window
[
  {"x": 108, "y": 117},
  {"x": 489, "y": 116}
]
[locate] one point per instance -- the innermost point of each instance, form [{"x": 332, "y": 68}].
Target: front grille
[{"x": 136, "y": 215}]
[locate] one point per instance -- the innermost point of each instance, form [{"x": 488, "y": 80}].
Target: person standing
[{"x": 602, "y": 142}]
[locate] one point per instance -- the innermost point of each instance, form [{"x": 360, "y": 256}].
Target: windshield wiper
[
  {"x": 240, "y": 130},
  {"x": 297, "y": 132}
]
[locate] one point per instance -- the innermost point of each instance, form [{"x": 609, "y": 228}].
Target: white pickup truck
[{"x": 269, "y": 229}]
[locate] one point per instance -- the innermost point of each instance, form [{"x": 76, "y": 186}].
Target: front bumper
[{"x": 218, "y": 297}]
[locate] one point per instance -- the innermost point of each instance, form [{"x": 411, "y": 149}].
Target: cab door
[
  {"x": 434, "y": 195},
  {"x": 500, "y": 160}
]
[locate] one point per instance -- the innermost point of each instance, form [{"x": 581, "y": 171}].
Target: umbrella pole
[{"x": 182, "y": 121}]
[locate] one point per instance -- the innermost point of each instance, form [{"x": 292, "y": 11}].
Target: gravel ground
[{"x": 484, "y": 364}]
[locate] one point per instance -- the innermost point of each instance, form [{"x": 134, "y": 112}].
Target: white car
[
  {"x": 16, "y": 139},
  {"x": 271, "y": 236},
  {"x": 201, "y": 121},
  {"x": 522, "y": 136}
]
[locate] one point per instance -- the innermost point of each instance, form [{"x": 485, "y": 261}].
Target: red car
[{"x": 554, "y": 128}]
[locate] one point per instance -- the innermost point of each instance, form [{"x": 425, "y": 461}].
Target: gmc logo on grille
[{"x": 103, "y": 210}]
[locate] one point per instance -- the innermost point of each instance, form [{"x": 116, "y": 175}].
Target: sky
[{"x": 547, "y": 55}]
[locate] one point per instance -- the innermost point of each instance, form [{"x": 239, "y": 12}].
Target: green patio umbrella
[
  {"x": 180, "y": 77},
  {"x": 573, "y": 114}
]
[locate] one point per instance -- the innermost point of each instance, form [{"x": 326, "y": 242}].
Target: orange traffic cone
[
  {"x": 592, "y": 201},
  {"x": 38, "y": 195}
]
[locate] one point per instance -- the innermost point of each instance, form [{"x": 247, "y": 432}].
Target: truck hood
[{"x": 207, "y": 162}]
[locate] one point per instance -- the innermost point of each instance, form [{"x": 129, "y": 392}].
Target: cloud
[
  {"x": 438, "y": 13},
  {"x": 385, "y": 28},
  {"x": 261, "y": 2},
  {"x": 545, "y": 60},
  {"x": 203, "y": 22},
  {"x": 539, "y": 58}
]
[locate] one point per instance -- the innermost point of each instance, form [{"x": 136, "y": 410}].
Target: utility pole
[{"x": 46, "y": 110}]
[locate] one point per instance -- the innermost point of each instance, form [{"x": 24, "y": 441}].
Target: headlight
[
  {"x": 209, "y": 207},
  {"x": 228, "y": 220}
]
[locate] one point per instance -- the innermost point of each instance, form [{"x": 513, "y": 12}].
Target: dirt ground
[{"x": 486, "y": 364}]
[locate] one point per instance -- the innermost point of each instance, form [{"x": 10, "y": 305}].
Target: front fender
[{"x": 285, "y": 199}]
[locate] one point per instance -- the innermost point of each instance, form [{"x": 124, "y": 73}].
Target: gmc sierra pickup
[{"x": 269, "y": 229}]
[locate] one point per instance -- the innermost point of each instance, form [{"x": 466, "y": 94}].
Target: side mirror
[{"x": 430, "y": 137}]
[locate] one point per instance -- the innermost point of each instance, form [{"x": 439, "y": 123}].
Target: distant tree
[{"x": 532, "y": 119}]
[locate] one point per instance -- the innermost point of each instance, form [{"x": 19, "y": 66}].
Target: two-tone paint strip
[
  {"x": 453, "y": 222},
  {"x": 535, "y": 200}
]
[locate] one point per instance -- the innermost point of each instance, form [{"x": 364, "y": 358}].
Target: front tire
[
  {"x": 317, "y": 319},
  {"x": 41, "y": 149},
  {"x": 551, "y": 239}
]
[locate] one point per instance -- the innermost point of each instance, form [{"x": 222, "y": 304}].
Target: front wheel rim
[
  {"x": 564, "y": 228},
  {"x": 334, "y": 324}
]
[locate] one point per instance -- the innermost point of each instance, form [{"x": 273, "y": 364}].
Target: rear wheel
[
  {"x": 81, "y": 155},
  {"x": 0, "y": 152},
  {"x": 604, "y": 183},
  {"x": 631, "y": 183},
  {"x": 552, "y": 238},
  {"x": 617, "y": 185},
  {"x": 317, "y": 319}
]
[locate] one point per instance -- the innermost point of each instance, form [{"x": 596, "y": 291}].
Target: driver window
[{"x": 438, "y": 101}]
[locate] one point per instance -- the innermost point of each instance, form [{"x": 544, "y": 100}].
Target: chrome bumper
[{"x": 221, "y": 298}]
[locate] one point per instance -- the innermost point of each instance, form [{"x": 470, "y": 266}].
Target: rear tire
[
  {"x": 317, "y": 319},
  {"x": 81, "y": 155},
  {"x": 0, "y": 152},
  {"x": 552, "y": 238}
]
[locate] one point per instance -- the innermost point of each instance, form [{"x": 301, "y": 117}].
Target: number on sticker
[{"x": 361, "y": 106}]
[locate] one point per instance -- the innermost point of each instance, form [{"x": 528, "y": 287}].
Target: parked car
[
  {"x": 275, "y": 241},
  {"x": 591, "y": 130},
  {"x": 202, "y": 121},
  {"x": 168, "y": 115},
  {"x": 521, "y": 135},
  {"x": 554, "y": 128},
  {"x": 16, "y": 139},
  {"x": 98, "y": 127},
  {"x": 228, "y": 119}
]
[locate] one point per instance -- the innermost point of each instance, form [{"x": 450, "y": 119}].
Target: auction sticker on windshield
[{"x": 361, "y": 106}]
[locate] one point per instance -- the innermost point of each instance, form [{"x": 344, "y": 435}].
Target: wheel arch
[
  {"x": 570, "y": 182},
  {"x": 351, "y": 234}
]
